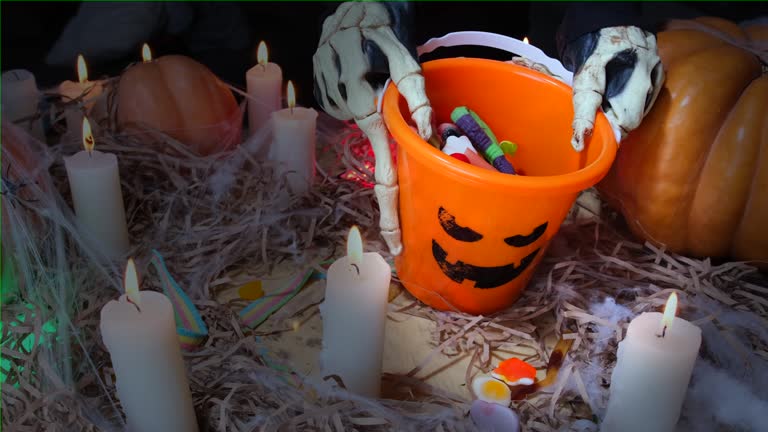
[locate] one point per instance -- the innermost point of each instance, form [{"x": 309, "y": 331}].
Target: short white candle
[
  {"x": 653, "y": 370},
  {"x": 264, "y": 82},
  {"x": 293, "y": 145},
  {"x": 20, "y": 98},
  {"x": 354, "y": 315},
  {"x": 94, "y": 179},
  {"x": 88, "y": 90},
  {"x": 139, "y": 330}
]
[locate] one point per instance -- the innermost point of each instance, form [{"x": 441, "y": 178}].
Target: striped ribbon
[
  {"x": 259, "y": 310},
  {"x": 190, "y": 326}
]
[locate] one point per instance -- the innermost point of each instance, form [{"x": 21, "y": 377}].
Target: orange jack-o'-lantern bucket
[{"x": 472, "y": 238}]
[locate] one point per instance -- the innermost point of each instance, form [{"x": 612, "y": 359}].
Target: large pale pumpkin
[
  {"x": 182, "y": 98},
  {"x": 694, "y": 175}
]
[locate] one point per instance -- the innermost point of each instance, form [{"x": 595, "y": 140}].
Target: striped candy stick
[
  {"x": 260, "y": 309},
  {"x": 190, "y": 326},
  {"x": 482, "y": 138}
]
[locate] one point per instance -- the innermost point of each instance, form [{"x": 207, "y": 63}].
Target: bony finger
[
  {"x": 580, "y": 131},
  {"x": 423, "y": 119}
]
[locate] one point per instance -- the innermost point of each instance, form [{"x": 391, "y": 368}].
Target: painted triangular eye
[
  {"x": 525, "y": 240},
  {"x": 448, "y": 222}
]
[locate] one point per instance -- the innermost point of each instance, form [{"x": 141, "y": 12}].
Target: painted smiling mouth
[{"x": 484, "y": 277}]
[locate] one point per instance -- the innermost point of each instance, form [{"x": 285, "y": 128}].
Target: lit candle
[
  {"x": 94, "y": 179},
  {"x": 293, "y": 144},
  {"x": 89, "y": 90},
  {"x": 20, "y": 98},
  {"x": 354, "y": 315},
  {"x": 139, "y": 330},
  {"x": 264, "y": 81},
  {"x": 146, "y": 53},
  {"x": 653, "y": 369}
]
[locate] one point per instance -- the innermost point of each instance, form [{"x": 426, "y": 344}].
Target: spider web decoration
[{"x": 222, "y": 222}]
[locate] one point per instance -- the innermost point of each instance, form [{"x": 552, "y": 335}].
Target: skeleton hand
[
  {"x": 341, "y": 66},
  {"x": 617, "y": 68}
]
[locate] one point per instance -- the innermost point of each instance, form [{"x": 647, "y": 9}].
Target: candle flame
[
  {"x": 82, "y": 69},
  {"x": 88, "y": 141},
  {"x": 262, "y": 55},
  {"x": 131, "y": 283},
  {"x": 291, "y": 95},
  {"x": 525, "y": 40},
  {"x": 355, "y": 247},
  {"x": 669, "y": 313},
  {"x": 146, "y": 54}
]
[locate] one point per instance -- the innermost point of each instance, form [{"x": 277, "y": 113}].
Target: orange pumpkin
[
  {"x": 182, "y": 98},
  {"x": 693, "y": 176}
]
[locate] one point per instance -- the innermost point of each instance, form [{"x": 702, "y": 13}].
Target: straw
[{"x": 223, "y": 220}]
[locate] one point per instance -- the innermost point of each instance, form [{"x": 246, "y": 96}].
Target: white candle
[
  {"x": 139, "y": 330},
  {"x": 293, "y": 144},
  {"x": 264, "y": 81},
  {"x": 653, "y": 369},
  {"x": 354, "y": 315},
  {"x": 70, "y": 90},
  {"x": 94, "y": 179},
  {"x": 20, "y": 98}
]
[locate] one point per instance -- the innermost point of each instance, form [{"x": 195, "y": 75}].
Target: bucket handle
[
  {"x": 505, "y": 43},
  {"x": 493, "y": 40}
]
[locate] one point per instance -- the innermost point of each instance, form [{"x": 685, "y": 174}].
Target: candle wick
[
  {"x": 263, "y": 67},
  {"x": 663, "y": 332},
  {"x": 356, "y": 268},
  {"x": 137, "y": 306}
]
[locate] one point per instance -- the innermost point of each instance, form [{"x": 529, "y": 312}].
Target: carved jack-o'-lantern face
[{"x": 484, "y": 277}]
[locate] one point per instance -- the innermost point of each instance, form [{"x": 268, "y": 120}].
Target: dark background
[{"x": 292, "y": 30}]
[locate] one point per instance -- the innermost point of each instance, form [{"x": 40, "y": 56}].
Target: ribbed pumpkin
[
  {"x": 694, "y": 175},
  {"x": 182, "y": 98}
]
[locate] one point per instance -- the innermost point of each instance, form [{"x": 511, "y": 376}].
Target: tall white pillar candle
[
  {"x": 20, "y": 98},
  {"x": 264, "y": 82},
  {"x": 653, "y": 370},
  {"x": 293, "y": 144},
  {"x": 88, "y": 90},
  {"x": 354, "y": 315},
  {"x": 139, "y": 330},
  {"x": 94, "y": 179}
]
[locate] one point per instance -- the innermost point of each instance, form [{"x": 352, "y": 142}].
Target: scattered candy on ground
[
  {"x": 491, "y": 390},
  {"x": 251, "y": 291},
  {"x": 490, "y": 417},
  {"x": 514, "y": 372}
]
